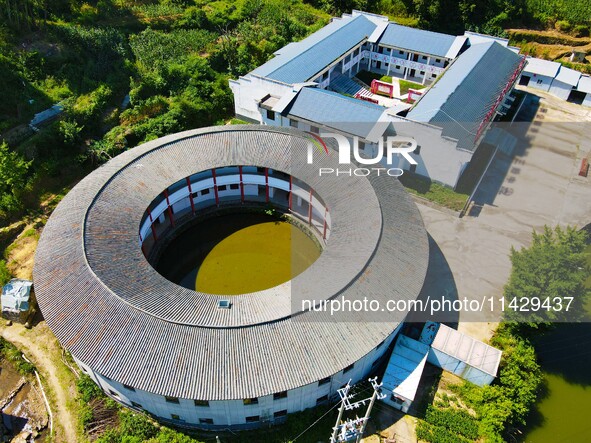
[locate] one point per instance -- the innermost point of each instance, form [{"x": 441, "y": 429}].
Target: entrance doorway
[{"x": 524, "y": 80}]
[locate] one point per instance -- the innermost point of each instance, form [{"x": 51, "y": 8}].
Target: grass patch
[
  {"x": 5, "y": 274},
  {"x": 432, "y": 191},
  {"x": 405, "y": 85},
  {"x": 237, "y": 121},
  {"x": 14, "y": 356},
  {"x": 367, "y": 77}
]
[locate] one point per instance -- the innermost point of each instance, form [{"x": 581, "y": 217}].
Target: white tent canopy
[{"x": 16, "y": 295}]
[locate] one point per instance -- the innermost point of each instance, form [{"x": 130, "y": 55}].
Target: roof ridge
[
  {"x": 300, "y": 54},
  {"x": 423, "y": 30},
  {"x": 455, "y": 81},
  {"x": 473, "y": 64},
  {"x": 346, "y": 98}
]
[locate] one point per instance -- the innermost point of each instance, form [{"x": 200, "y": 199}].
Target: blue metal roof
[
  {"x": 299, "y": 62},
  {"x": 405, "y": 367},
  {"x": 460, "y": 99},
  {"x": 417, "y": 40},
  {"x": 327, "y": 108}
]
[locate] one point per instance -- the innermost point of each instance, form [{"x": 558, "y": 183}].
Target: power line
[
  {"x": 354, "y": 429},
  {"x": 313, "y": 424}
]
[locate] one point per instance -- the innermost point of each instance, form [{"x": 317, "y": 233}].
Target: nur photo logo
[{"x": 386, "y": 152}]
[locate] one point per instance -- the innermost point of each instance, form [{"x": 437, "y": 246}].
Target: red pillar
[
  {"x": 191, "y": 195},
  {"x": 215, "y": 187},
  {"x": 241, "y": 185},
  {"x": 267, "y": 185},
  {"x": 310, "y": 209},
  {"x": 152, "y": 226},
  {"x": 290, "y": 192},
  {"x": 324, "y": 229},
  {"x": 142, "y": 243},
  {"x": 169, "y": 208}
]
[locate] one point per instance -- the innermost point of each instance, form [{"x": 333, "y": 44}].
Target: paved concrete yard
[{"x": 538, "y": 185}]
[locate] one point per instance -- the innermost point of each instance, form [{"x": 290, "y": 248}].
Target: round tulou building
[{"x": 186, "y": 276}]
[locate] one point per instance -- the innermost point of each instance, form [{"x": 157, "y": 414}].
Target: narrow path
[{"x": 41, "y": 347}]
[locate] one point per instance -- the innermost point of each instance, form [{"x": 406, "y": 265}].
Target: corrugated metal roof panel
[
  {"x": 541, "y": 67},
  {"x": 417, "y": 40},
  {"x": 584, "y": 84},
  {"x": 301, "y": 61},
  {"x": 568, "y": 76},
  {"x": 467, "y": 349},
  {"x": 337, "y": 111},
  {"x": 462, "y": 97}
]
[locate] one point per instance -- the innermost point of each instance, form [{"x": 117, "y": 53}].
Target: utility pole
[
  {"x": 376, "y": 394},
  {"x": 353, "y": 429},
  {"x": 344, "y": 394}
]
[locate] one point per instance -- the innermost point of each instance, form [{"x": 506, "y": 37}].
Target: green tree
[
  {"x": 136, "y": 425},
  {"x": 506, "y": 403},
  {"x": 13, "y": 179},
  {"x": 88, "y": 389},
  {"x": 70, "y": 132},
  {"x": 5, "y": 274},
  {"x": 553, "y": 268}
]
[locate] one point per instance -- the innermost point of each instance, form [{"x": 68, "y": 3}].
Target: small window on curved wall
[
  {"x": 348, "y": 368},
  {"x": 280, "y": 395},
  {"x": 253, "y": 419},
  {"x": 321, "y": 400},
  {"x": 251, "y": 401},
  {"x": 171, "y": 399},
  {"x": 201, "y": 402},
  {"x": 206, "y": 421},
  {"x": 281, "y": 413}
]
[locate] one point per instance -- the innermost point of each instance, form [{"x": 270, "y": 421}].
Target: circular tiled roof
[{"x": 114, "y": 312}]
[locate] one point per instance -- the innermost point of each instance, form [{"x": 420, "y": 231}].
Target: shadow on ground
[
  {"x": 493, "y": 182},
  {"x": 439, "y": 283}
]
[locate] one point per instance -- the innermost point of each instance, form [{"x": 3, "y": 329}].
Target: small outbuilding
[
  {"x": 464, "y": 356},
  {"x": 403, "y": 373},
  {"x": 539, "y": 74},
  {"x": 17, "y": 300},
  {"x": 584, "y": 90},
  {"x": 565, "y": 82}
]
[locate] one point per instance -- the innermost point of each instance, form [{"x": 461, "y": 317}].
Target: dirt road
[{"x": 41, "y": 347}]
